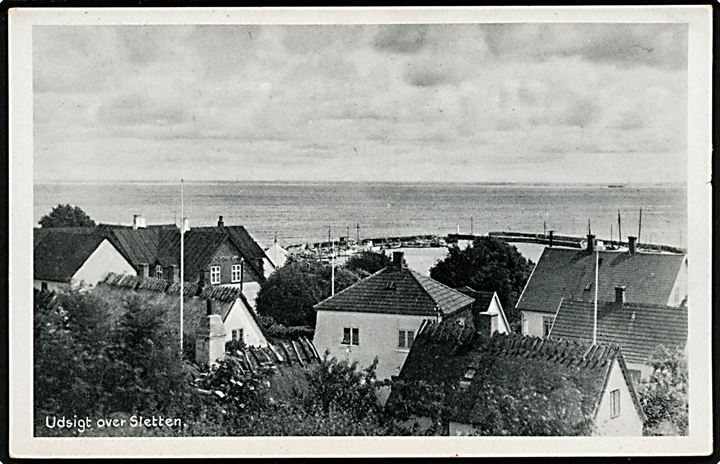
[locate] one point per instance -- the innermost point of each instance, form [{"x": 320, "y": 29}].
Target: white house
[
  {"x": 277, "y": 254},
  {"x": 569, "y": 274},
  {"x": 67, "y": 257},
  {"x": 378, "y": 317},
  {"x": 595, "y": 383}
]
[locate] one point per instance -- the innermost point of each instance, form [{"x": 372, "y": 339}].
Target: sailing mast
[
  {"x": 182, "y": 261},
  {"x": 619, "y": 228},
  {"x": 639, "y": 227}
]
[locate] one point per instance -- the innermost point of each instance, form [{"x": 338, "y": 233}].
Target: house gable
[{"x": 106, "y": 258}]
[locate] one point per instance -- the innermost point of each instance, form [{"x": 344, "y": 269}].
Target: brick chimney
[
  {"x": 203, "y": 279},
  {"x": 138, "y": 222},
  {"x": 210, "y": 337},
  {"x": 620, "y": 294},
  {"x": 221, "y": 223},
  {"x": 590, "y": 242},
  {"x": 632, "y": 244},
  {"x": 397, "y": 259}
]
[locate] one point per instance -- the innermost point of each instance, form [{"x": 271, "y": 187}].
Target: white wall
[
  {"x": 628, "y": 423},
  {"x": 680, "y": 289},
  {"x": 378, "y": 337},
  {"x": 532, "y": 322},
  {"x": 494, "y": 308},
  {"x": 103, "y": 260},
  {"x": 240, "y": 318}
]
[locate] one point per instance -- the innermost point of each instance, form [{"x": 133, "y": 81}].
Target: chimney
[
  {"x": 590, "y": 242},
  {"x": 186, "y": 224},
  {"x": 138, "y": 222},
  {"x": 551, "y": 233},
  {"x": 210, "y": 338},
  {"x": 397, "y": 259},
  {"x": 620, "y": 294},
  {"x": 632, "y": 244},
  {"x": 202, "y": 281},
  {"x": 209, "y": 307},
  {"x": 144, "y": 270},
  {"x": 221, "y": 223},
  {"x": 173, "y": 273}
]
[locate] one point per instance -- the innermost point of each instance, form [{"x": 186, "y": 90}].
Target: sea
[{"x": 303, "y": 212}]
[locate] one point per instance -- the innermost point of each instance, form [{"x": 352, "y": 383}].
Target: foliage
[
  {"x": 664, "y": 395},
  {"x": 367, "y": 262},
  {"x": 233, "y": 346},
  {"x": 289, "y": 294},
  {"x": 488, "y": 264},
  {"x": 66, "y": 216},
  {"x": 339, "y": 385},
  {"x": 289, "y": 333}
]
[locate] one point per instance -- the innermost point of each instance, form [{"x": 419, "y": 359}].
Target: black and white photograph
[{"x": 443, "y": 226}]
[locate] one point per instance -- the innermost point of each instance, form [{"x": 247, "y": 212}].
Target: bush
[{"x": 663, "y": 396}]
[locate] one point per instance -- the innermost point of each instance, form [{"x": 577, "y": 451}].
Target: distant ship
[{"x": 616, "y": 186}]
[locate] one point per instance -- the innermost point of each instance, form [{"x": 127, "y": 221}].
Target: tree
[
  {"x": 289, "y": 294},
  {"x": 367, "y": 262},
  {"x": 66, "y": 216},
  {"x": 663, "y": 396},
  {"x": 490, "y": 265}
]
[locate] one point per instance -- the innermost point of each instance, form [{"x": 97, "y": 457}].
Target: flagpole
[
  {"x": 597, "y": 265},
  {"x": 182, "y": 261}
]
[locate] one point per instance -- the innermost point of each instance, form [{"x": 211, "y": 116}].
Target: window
[
  {"x": 237, "y": 335},
  {"x": 158, "y": 271},
  {"x": 405, "y": 338},
  {"x": 351, "y": 336},
  {"x": 236, "y": 273},
  {"x": 615, "y": 403},
  {"x": 547, "y": 325},
  {"x": 214, "y": 274}
]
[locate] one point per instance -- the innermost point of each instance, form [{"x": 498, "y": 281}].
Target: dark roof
[
  {"x": 637, "y": 328},
  {"x": 482, "y": 299},
  {"x": 568, "y": 273},
  {"x": 59, "y": 253},
  {"x": 397, "y": 291},
  {"x": 509, "y": 367},
  {"x": 161, "y": 245}
]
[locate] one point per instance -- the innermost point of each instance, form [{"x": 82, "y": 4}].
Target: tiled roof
[
  {"x": 570, "y": 274},
  {"x": 637, "y": 328},
  {"x": 59, "y": 253},
  {"x": 510, "y": 365},
  {"x": 397, "y": 291}
]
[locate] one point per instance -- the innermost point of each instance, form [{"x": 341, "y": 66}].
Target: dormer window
[{"x": 158, "y": 271}]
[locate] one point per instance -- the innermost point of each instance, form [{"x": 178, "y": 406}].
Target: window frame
[
  {"x": 351, "y": 336},
  {"x": 213, "y": 274},
  {"x": 615, "y": 403},
  {"x": 238, "y": 334},
  {"x": 236, "y": 268},
  {"x": 406, "y": 338},
  {"x": 158, "y": 271}
]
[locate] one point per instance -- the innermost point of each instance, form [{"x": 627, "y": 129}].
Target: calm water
[{"x": 302, "y": 212}]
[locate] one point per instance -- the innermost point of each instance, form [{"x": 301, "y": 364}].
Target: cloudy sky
[{"x": 471, "y": 103}]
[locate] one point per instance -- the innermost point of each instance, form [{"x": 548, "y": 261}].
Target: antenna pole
[
  {"x": 332, "y": 270},
  {"x": 182, "y": 261},
  {"x": 597, "y": 271}
]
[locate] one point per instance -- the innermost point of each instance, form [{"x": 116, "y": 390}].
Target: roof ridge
[
  {"x": 415, "y": 275},
  {"x": 348, "y": 288}
]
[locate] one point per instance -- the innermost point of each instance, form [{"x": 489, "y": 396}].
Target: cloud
[
  {"x": 401, "y": 38},
  {"x": 475, "y": 98}
]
